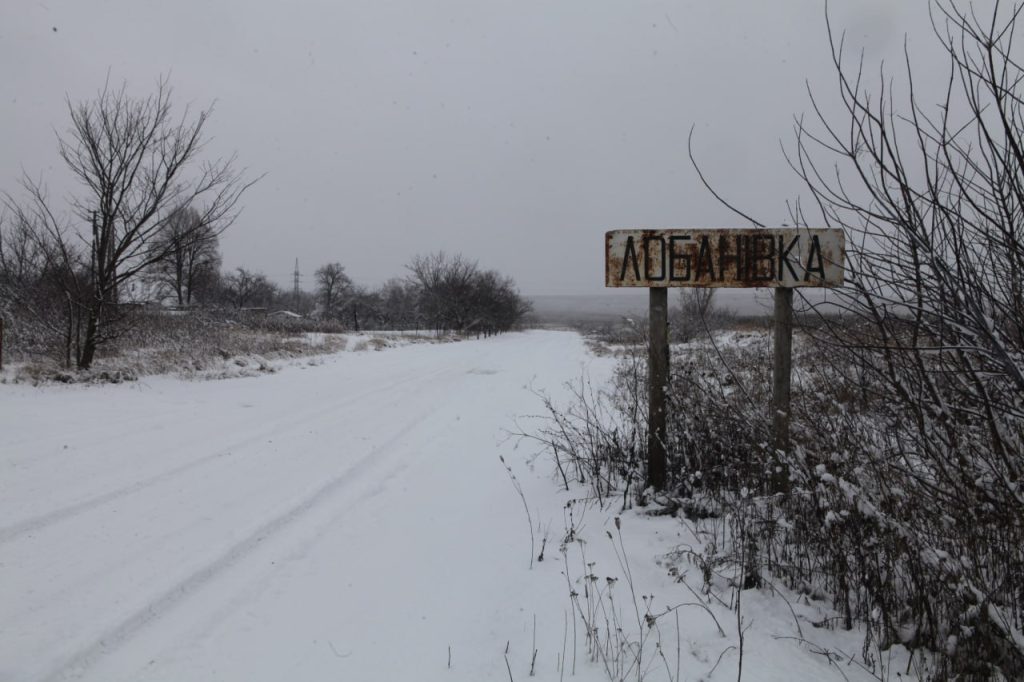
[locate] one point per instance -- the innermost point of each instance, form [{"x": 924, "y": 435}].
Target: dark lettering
[
  {"x": 705, "y": 266},
  {"x": 762, "y": 262},
  {"x": 724, "y": 256},
  {"x": 647, "y": 258},
  {"x": 814, "y": 260},
  {"x": 675, "y": 256},
  {"x": 784, "y": 261},
  {"x": 630, "y": 251}
]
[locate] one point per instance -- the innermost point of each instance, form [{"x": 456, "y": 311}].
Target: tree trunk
[
  {"x": 70, "y": 331},
  {"x": 92, "y": 328}
]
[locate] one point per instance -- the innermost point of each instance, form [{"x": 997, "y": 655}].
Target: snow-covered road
[{"x": 348, "y": 521}]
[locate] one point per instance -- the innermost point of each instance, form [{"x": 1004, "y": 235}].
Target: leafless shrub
[
  {"x": 625, "y": 632},
  {"x": 595, "y": 441}
]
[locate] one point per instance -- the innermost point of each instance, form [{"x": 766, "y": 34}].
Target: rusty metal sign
[{"x": 698, "y": 257}]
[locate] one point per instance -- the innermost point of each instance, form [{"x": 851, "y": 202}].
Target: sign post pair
[{"x": 779, "y": 258}]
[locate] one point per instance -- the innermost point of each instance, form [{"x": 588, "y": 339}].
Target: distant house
[{"x": 141, "y": 290}]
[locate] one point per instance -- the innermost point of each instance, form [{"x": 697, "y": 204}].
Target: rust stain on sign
[{"x": 699, "y": 257}]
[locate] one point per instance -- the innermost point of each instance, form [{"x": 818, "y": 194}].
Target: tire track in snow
[
  {"x": 36, "y": 523},
  {"x": 243, "y": 595},
  {"x": 79, "y": 663},
  {"x": 93, "y": 440}
]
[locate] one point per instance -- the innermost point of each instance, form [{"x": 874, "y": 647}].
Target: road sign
[
  {"x": 700, "y": 257},
  {"x": 781, "y": 258}
]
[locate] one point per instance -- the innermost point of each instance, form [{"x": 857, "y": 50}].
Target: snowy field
[{"x": 349, "y": 520}]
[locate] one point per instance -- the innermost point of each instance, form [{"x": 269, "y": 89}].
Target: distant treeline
[{"x": 47, "y": 292}]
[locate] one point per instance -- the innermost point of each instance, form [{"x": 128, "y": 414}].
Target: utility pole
[{"x": 295, "y": 289}]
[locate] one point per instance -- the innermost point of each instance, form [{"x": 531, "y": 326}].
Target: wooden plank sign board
[
  {"x": 702, "y": 257},
  {"x": 782, "y": 258}
]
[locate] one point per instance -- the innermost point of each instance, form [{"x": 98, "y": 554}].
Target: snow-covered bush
[{"x": 910, "y": 541}]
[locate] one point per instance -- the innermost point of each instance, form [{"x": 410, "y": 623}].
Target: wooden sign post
[
  {"x": 657, "y": 382},
  {"x": 782, "y": 366},
  {"x": 781, "y": 258}
]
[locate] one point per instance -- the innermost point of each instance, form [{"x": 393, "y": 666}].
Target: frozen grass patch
[{"x": 198, "y": 346}]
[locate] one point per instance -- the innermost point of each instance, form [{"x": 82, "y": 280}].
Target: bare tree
[
  {"x": 455, "y": 295},
  {"x": 446, "y": 285},
  {"x": 245, "y": 288},
  {"x": 331, "y": 285},
  {"x": 193, "y": 258},
  {"x": 497, "y": 305},
  {"x": 399, "y": 300},
  {"x": 137, "y": 163},
  {"x": 362, "y": 307}
]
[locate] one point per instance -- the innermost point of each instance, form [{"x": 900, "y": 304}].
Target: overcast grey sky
[{"x": 514, "y": 132}]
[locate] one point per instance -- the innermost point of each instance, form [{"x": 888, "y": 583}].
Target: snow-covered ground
[{"x": 344, "y": 521}]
